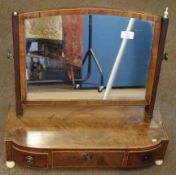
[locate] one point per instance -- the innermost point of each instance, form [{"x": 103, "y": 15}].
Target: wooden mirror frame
[{"x": 160, "y": 30}]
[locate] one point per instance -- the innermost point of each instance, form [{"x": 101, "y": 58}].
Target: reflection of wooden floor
[{"x": 64, "y": 92}]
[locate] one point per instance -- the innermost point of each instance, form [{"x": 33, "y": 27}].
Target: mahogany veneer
[{"x": 92, "y": 136}]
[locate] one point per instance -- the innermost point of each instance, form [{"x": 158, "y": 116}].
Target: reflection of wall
[{"x": 106, "y": 43}]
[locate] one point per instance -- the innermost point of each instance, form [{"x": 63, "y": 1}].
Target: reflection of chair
[
  {"x": 66, "y": 48},
  {"x": 47, "y": 50}
]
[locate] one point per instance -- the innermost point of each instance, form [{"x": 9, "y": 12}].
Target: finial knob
[
  {"x": 166, "y": 13},
  {"x": 15, "y": 13}
]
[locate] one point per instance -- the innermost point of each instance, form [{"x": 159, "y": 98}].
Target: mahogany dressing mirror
[{"x": 86, "y": 79}]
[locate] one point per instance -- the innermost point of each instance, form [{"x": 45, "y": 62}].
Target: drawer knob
[
  {"x": 146, "y": 158},
  {"x": 88, "y": 157},
  {"x": 29, "y": 160}
]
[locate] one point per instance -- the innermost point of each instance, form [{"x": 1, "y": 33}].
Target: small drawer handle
[
  {"x": 88, "y": 157},
  {"x": 29, "y": 160},
  {"x": 147, "y": 158}
]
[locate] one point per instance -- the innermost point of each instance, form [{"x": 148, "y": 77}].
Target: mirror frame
[{"x": 18, "y": 22}]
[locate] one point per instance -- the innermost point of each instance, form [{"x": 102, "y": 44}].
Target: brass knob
[{"x": 29, "y": 160}]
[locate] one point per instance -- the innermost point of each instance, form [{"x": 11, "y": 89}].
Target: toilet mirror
[{"x": 88, "y": 55}]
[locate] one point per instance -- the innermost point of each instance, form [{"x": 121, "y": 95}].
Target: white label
[{"x": 127, "y": 35}]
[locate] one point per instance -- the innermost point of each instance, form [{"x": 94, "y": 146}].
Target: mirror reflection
[{"x": 87, "y": 57}]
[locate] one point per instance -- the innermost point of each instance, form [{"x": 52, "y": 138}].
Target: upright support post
[
  {"x": 118, "y": 61},
  {"x": 15, "y": 28},
  {"x": 164, "y": 25}
]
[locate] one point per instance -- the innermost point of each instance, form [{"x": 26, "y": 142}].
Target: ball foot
[
  {"x": 10, "y": 164},
  {"x": 158, "y": 162}
]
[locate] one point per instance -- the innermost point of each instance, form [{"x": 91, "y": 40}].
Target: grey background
[{"x": 166, "y": 98}]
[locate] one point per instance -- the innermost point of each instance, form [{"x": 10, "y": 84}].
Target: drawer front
[
  {"x": 143, "y": 158},
  {"x": 31, "y": 159},
  {"x": 87, "y": 159}
]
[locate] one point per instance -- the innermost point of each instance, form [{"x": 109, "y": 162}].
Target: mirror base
[{"x": 50, "y": 136}]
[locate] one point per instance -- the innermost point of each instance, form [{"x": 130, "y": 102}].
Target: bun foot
[
  {"x": 10, "y": 164},
  {"x": 158, "y": 162}
]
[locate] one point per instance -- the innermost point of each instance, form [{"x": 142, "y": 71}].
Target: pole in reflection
[{"x": 118, "y": 60}]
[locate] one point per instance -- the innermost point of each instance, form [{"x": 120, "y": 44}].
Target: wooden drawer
[
  {"x": 87, "y": 159},
  {"x": 143, "y": 158},
  {"x": 28, "y": 158}
]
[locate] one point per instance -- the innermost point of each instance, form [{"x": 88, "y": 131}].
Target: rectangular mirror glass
[{"x": 87, "y": 57}]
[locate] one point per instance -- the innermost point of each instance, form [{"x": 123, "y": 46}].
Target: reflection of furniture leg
[
  {"x": 91, "y": 55},
  {"x": 70, "y": 73},
  {"x": 117, "y": 61},
  {"x": 28, "y": 46},
  {"x": 99, "y": 69}
]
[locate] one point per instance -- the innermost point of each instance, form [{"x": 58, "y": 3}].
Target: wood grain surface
[{"x": 90, "y": 127}]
